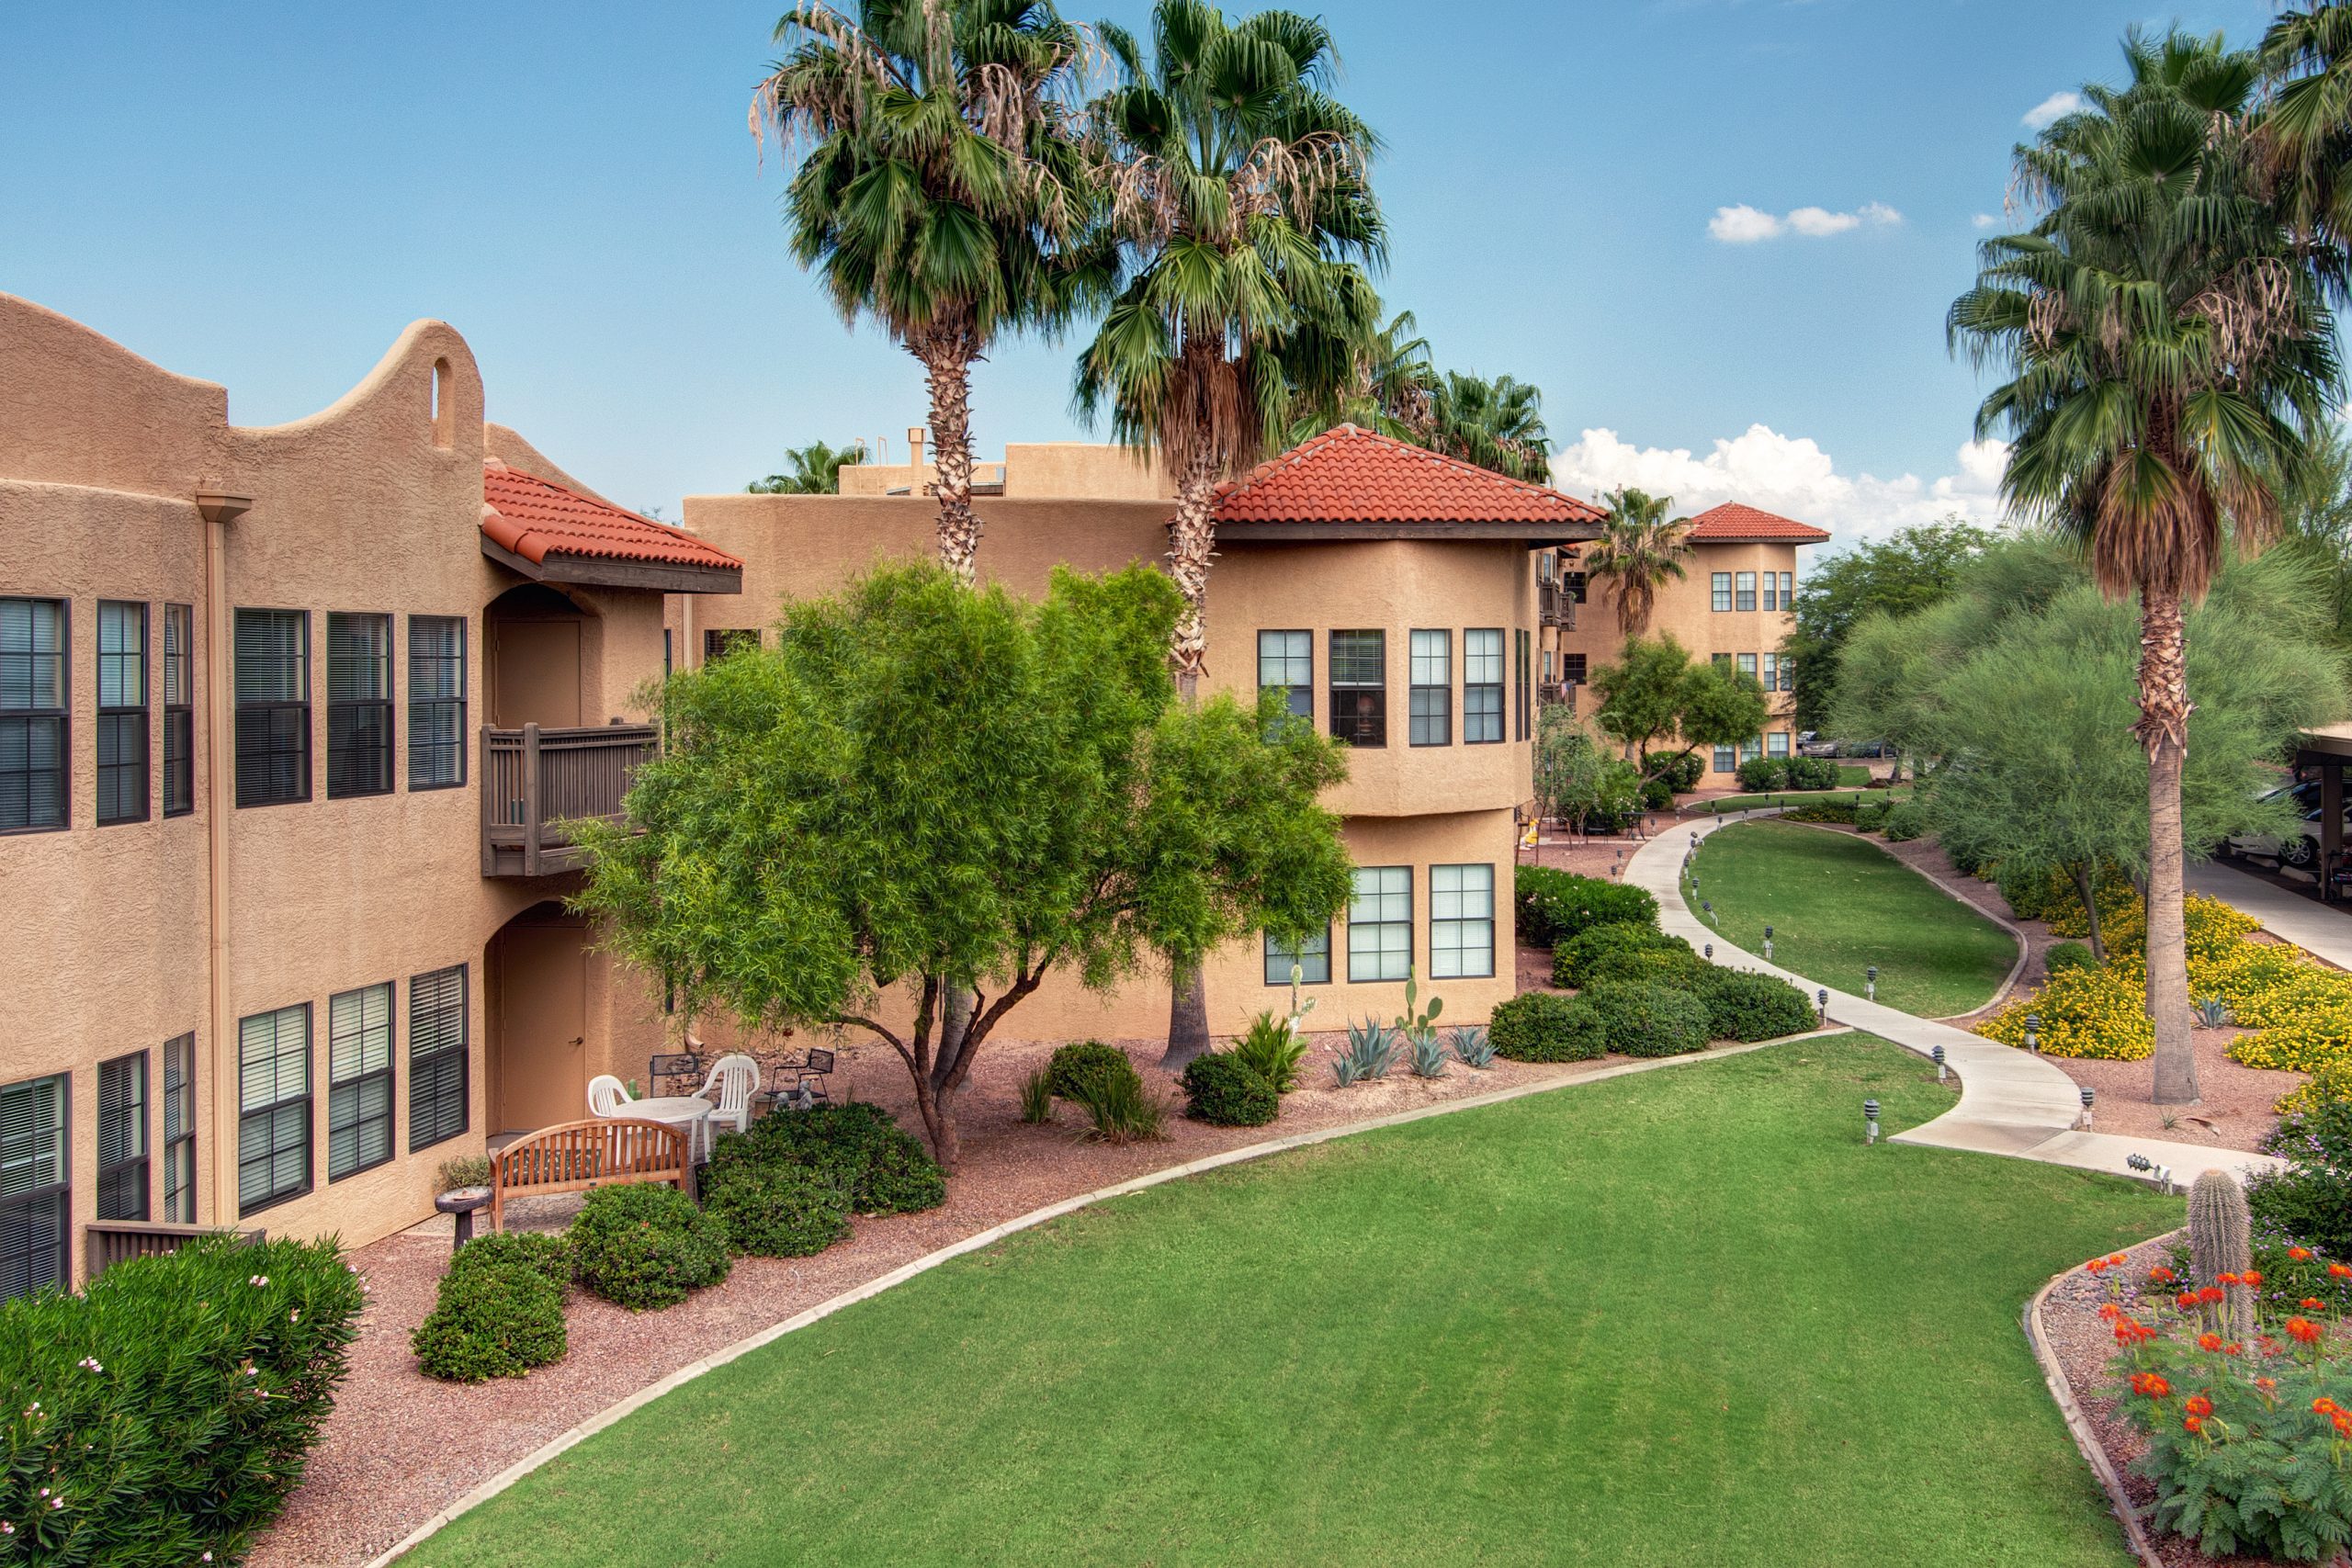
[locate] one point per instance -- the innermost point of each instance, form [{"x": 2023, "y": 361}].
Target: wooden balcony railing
[
  {"x": 109, "y": 1242},
  {"x": 534, "y": 778},
  {"x": 1555, "y": 605}
]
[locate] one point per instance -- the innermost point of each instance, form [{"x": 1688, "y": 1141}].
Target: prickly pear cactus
[{"x": 2221, "y": 1242}]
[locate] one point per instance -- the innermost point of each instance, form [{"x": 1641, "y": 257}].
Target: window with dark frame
[
  {"x": 359, "y": 705},
  {"x": 1746, "y": 664},
  {"x": 273, "y": 689},
  {"x": 1724, "y": 760},
  {"x": 1744, "y": 597},
  {"x": 1380, "y": 923},
  {"x": 1313, "y": 957},
  {"x": 1522, "y": 659},
  {"x": 33, "y": 715},
  {"x": 274, "y": 1107},
  {"x": 1462, "y": 921},
  {"x": 1771, "y": 672},
  {"x": 179, "y": 1131},
  {"x": 1719, "y": 591},
  {"x": 1482, "y": 686},
  {"x": 179, "y": 710},
  {"x": 36, "y": 1194},
  {"x": 1788, "y": 595},
  {"x": 122, "y": 1138},
  {"x": 1777, "y": 743},
  {"x": 437, "y": 1056},
  {"x": 1429, "y": 690},
  {"x": 1771, "y": 596},
  {"x": 122, "y": 712},
  {"x": 437, "y": 701},
  {"x": 359, "y": 1080},
  {"x": 719, "y": 641},
  {"x": 1286, "y": 664},
  {"x": 1578, "y": 585},
  {"x": 1359, "y": 687},
  {"x": 1788, "y": 674},
  {"x": 1572, "y": 668}
]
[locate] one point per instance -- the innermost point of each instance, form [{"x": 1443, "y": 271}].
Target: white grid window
[
  {"x": 274, "y": 1107},
  {"x": 1313, "y": 958},
  {"x": 1746, "y": 662},
  {"x": 1745, "y": 598},
  {"x": 1432, "y": 688},
  {"x": 1752, "y": 748},
  {"x": 1462, "y": 921},
  {"x": 1724, "y": 760},
  {"x": 1286, "y": 664},
  {"x": 1719, "y": 590},
  {"x": 359, "y": 1080},
  {"x": 1380, "y": 923},
  {"x": 1777, "y": 743},
  {"x": 1482, "y": 686}
]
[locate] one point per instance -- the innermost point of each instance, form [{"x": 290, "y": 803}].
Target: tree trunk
[
  {"x": 2085, "y": 887},
  {"x": 947, "y": 352},
  {"x": 1188, "y": 1019},
  {"x": 1192, "y": 544},
  {"x": 2163, "y": 730},
  {"x": 936, "y": 1106}
]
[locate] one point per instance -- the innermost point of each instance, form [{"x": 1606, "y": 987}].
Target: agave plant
[
  {"x": 1470, "y": 1045},
  {"x": 1371, "y": 1051},
  {"x": 1429, "y": 1054},
  {"x": 2213, "y": 1014}
]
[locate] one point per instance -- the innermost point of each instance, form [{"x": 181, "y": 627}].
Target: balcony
[
  {"x": 1555, "y": 605},
  {"x": 533, "y": 779}
]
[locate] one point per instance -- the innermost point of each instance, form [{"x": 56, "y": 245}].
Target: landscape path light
[
  {"x": 1768, "y": 944},
  {"x": 1869, "y": 983},
  {"x": 2033, "y": 1032},
  {"x": 1821, "y": 999},
  {"x": 2089, "y": 1094},
  {"x": 1711, "y": 950},
  {"x": 1938, "y": 1054},
  {"x": 1870, "y": 1121}
]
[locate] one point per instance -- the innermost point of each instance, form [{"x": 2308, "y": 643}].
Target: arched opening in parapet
[{"x": 444, "y": 415}]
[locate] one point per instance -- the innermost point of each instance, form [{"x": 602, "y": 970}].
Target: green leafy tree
[
  {"x": 1640, "y": 546},
  {"x": 1576, "y": 779},
  {"x": 2317, "y": 513},
  {"x": 2166, "y": 354},
  {"x": 1656, "y": 695},
  {"x": 2022, "y": 685},
  {"x": 924, "y": 789},
  {"x": 816, "y": 470},
  {"x": 1907, "y": 570},
  {"x": 942, "y": 190}
]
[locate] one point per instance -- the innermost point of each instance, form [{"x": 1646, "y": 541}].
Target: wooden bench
[{"x": 575, "y": 1155}]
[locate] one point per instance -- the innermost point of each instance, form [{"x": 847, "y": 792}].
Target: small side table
[{"x": 462, "y": 1202}]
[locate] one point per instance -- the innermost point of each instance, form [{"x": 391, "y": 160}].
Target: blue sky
[{"x": 263, "y": 194}]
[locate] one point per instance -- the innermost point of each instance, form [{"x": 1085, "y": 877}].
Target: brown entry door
[
  {"x": 535, "y": 674},
  {"x": 542, "y": 1021}
]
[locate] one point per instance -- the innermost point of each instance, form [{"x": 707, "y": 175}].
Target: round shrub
[
  {"x": 1657, "y": 794},
  {"x": 1658, "y": 962},
  {"x": 1744, "y": 1006},
  {"x": 1838, "y": 808},
  {"x": 856, "y": 1147},
  {"x": 1544, "y": 1026},
  {"x": 776, "y": 1210},
  {"x": 1763, "y": 774},
  {"x": 1649, "y": 1020},
  {"x": 1870, "y": 816},
  {"x": 495, "y": 1321},
  {"x": 2069, "y": 956},
  {"x": 1812, "y": 772},
  {"x": 1554, "y": 904},
  {"x": 1224, "y": 1093},
  {"x": 1571, "y": 958},
  {"x": 537, "y": 1252},
  {"x": 645, "y": 1245},
  {"x": 1906, "y": 820},
  {"x": 1083, "y": 1063},
  {"x": 1682, "y": 771}
]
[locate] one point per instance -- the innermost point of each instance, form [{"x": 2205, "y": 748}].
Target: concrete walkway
[
  {"x": 2308, "y": 923},
  {"x": 2011, "y": 1102}
]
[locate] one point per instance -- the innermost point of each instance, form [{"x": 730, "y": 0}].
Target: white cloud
[
  {"x": 1984, "y": 220},
  {"x": 2049, "y": 109},
  {"x": 1744, "y": 225},
  {"x": 1790, "y": 475}
]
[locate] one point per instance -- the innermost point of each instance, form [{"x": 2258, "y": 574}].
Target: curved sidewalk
[{"x": 2011, "y": 1102}]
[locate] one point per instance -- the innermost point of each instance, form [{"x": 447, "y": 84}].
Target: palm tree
[
  {"x": 1640, "y": 546},
  {"x": 2168, "y": 361},
  {"x": 1497, "y": 425},
  {"x": 940, "y": 190},
  {"x": 2304, "y": 134},
  {"x": 816, "y": 470},
  {"x": 1238, "y": 200},
  {"x": 1376, "y": 377}
]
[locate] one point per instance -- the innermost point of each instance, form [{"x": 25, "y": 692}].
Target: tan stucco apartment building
[
  {"x": 1385, "y": 591},
  {"x": 1734, "y": 603},
  {"x": 285, "y": 715}
]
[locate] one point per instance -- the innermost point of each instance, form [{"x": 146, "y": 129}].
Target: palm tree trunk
[
  {"x": 2163, "y": 730},
  {"x": 947, "y": 352},
  {"x": 1191, "y": 541}
]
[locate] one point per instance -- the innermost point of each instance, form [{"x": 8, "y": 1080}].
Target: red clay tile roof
[
  {"x": 533, "y": 518},
  {"x": 1348, "y": 474},
  {"x": 1731, "y": 521}
]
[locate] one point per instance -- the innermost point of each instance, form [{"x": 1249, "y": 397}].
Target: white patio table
[{"x": 687, "y": 1111}]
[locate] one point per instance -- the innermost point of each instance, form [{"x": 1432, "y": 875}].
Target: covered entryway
[
  {"x": 535, "y": 638},
  {"x": 538, "y": 970}
]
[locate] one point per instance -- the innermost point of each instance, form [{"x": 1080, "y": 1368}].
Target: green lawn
[
  {"x": 1853, "y": 772},
  {"x": 1838, "y": 904},
  {"x": 1676, "y": 1318},
  {"x": 1798, "y": 797}
]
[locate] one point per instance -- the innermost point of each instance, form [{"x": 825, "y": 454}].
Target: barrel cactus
[{"x": 2219, "y": 1242}]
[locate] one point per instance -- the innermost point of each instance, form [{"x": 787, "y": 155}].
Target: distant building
[{"x": 1733, "y": 605}]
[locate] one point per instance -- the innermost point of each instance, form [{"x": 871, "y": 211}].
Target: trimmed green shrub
[
  {"x": 645, "y": 1246},
  {"x": 2066, "y": 955},
  {"x": 1906, "y": 820},
  {"x": 1745, "y": 1006},
  {"x": 1270, "y": 1051},
  {"x": 1571, "y": 958},
  {"x": 1555, "y": 904},
  {"x": 1082, "y": 1062},
  {"x": 1225, "y": 1093},
  {"x": 550, "y": 1257},
  {"x": 776, "y": 1209},
  {"x": 495, "y": 1321},
  {"x": 1544, "y": 1026},
  {"x": 1661, "y": 964},
  {"x": 1812, "y": 772},
  {"x": 1870, "y": 816},
  {"x": 857, "y": 1146},
  {"x": 1836, "y": 810},
  {"x": 1682, "y": 771},
  {"x": 1657, "y": 794},
  {"x": 140, "y": 1403},
  {"x": 1648, "y": 1019},
  {"x": 1763, "y": 775}
]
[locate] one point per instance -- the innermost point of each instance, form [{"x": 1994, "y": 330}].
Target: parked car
[
  {"x": 2302, "y": 849},
  {"x": 1811, "y": 744}
]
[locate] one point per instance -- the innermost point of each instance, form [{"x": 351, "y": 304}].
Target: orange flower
[
  {"x": 2342, "y": 1424},
  {"x": 2312, "y": 1303},
  {"x": 2298, "y": 1253},
  {"x": 2200, "y": 1406},
  {"x": 2212, "y": 1293},
  {"x": 2096, "y": 1265},
  {"x": 2251, "y": 1278},
  {"x": 2194, "y": 1423},
  {"x": 2110, "y": 1310},
  {"x": 2303, "y": 1330},
  {"x": 2325, "y": 1405},
  {"x": 2160, "y": 1275},
  {"x": 2132, "y": 1331},
  {"x": 2225, "y": 1279},
  {"x": 2119, "y": 1259},
  {"x": 2151, "y": 1384},
  {"x": 2235, "y": 1348},
  {"x": 2340, "y": 1271},
  {"x": 2267, "y": 1385},
  {"x": 2186, "y": 1300},
  {"x": 2209, "y": 1342}
]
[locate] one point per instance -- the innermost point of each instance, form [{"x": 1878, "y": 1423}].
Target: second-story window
[
  {"x": 1359, "y": 687},
  {"x": 1771, "y": 594},
  {"x": 1522, "y": 663},
  {"x": 1286, "y": 664},
  {"x": 179, "y": 710},
  {"x": 1747, "y": 664},
  {"x": 359, "y": 705},
  {"x": 1770, "y": 674},
  {"x": 1578, "y": 585},
  {"x": 32, "y": 715},
  {"x": 273, "y": 678},
  {"x": 1745, "y": 597},
  {"x": 1482, "y": 686},
  {"x": 719, "y": 641},
  {"x": 437, "y": 701},
  {"x": 1572, "y": 668},
  {"x": 1431, "y": 693},
  {"x": 122, "y": 712},
  {"x": 122, "y": 1137},
  {"x": 1719, "y": 590},
  {"x": 179, "y": 1131},
  {"x": 1788, "y": 593}
]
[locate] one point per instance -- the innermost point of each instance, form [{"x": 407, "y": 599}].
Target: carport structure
[{"x": 2323, "y": 749}]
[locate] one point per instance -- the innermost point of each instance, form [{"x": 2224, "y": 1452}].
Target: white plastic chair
[
  {"x": 736, "y": 1078},
  {"x": 606, "y": 1095}
]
